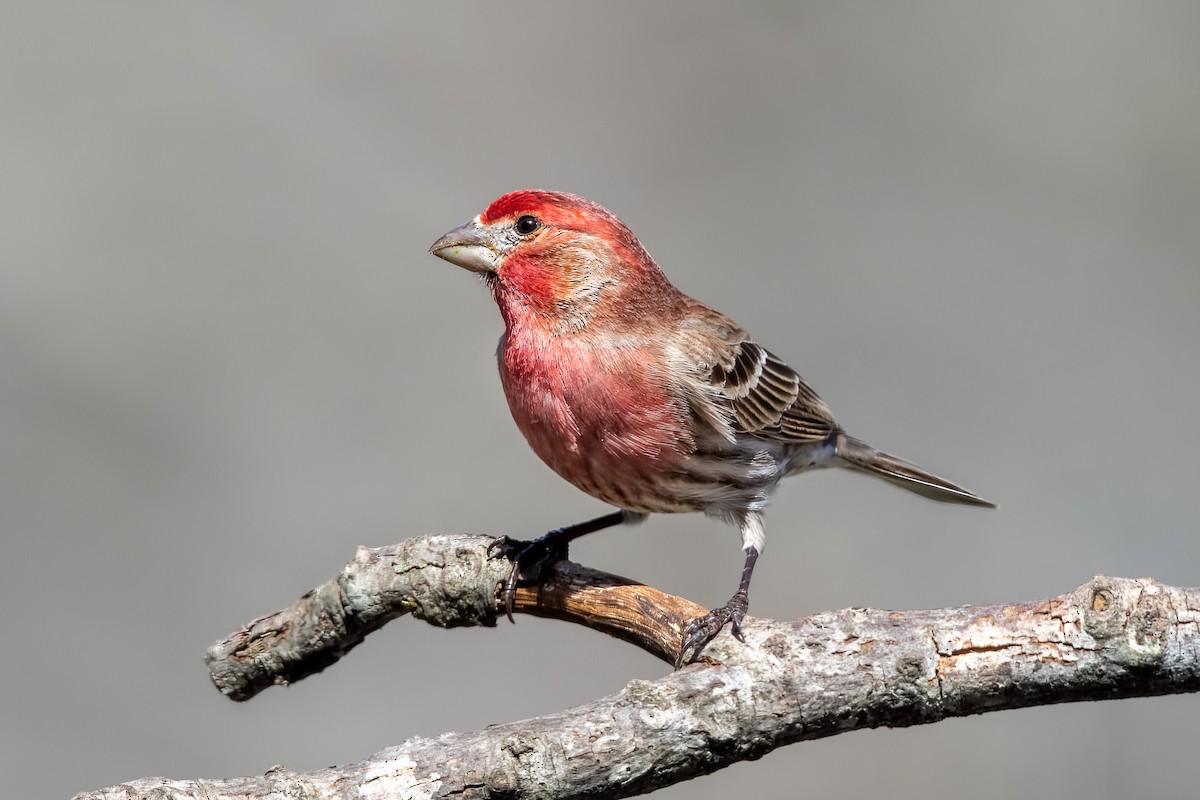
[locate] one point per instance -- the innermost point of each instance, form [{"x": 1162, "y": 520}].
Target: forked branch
[{"x": 790, "y": 681}]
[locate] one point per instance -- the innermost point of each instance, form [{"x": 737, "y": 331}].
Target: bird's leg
[
  {"x": 531, "y": 559},
  {"x": 703, "y": 630}
]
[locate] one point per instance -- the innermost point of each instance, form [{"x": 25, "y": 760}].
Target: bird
[{"x": 641, "y": 396}]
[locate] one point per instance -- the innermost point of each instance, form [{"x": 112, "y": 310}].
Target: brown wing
[{"x": 768, "y": 398}]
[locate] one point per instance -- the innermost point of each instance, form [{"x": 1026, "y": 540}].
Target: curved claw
[
  {"x": 530, "y": 560},
  {"x": 703, "y": 630},
  {"x": 502, "y": 546},
  {"x": 510, "y": 588}
]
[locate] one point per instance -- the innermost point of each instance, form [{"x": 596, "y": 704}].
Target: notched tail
[{"x": 905, "y": 474}]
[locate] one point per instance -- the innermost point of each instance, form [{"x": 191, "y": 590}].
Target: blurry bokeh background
[{"x": 226, "y": 358}]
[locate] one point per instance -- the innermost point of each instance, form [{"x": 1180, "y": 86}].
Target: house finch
[{"x": 641, "y": 396}]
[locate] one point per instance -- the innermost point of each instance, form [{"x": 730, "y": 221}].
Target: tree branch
[
  {"x": 448, "y": 581},
  {"x": 790, "y": 681}
]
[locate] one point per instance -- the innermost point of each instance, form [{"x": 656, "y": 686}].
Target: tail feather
[{"x": 905, "y": 474}]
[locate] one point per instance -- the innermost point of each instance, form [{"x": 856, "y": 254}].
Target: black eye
[{"x": 527, "y": 224}]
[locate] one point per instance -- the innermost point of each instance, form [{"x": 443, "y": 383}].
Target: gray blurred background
[{"x": 226, "y": 358}]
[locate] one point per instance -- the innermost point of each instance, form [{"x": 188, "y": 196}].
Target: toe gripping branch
[
  {"x": 532, "y": 559},
  {"x": 703, "y": 629}
]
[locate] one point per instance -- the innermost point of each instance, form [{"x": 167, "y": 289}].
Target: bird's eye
[{"x": 527, "y": 224}]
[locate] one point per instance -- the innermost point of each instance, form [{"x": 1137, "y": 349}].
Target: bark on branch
[{"x": 790, "y": 681}]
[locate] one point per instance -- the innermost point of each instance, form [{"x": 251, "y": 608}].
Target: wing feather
[
  {"x": 768, "y": 398},
  {"x": 743, "y": 388}
]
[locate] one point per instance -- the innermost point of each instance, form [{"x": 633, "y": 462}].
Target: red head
[{"x": 558, "y": 259}]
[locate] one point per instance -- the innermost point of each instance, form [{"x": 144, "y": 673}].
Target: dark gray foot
[
  {"x": 703, "y": 630},
  {"x": 530, "y": 561}
]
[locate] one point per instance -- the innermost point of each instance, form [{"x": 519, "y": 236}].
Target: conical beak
[{"x": 468, "y": 246}]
